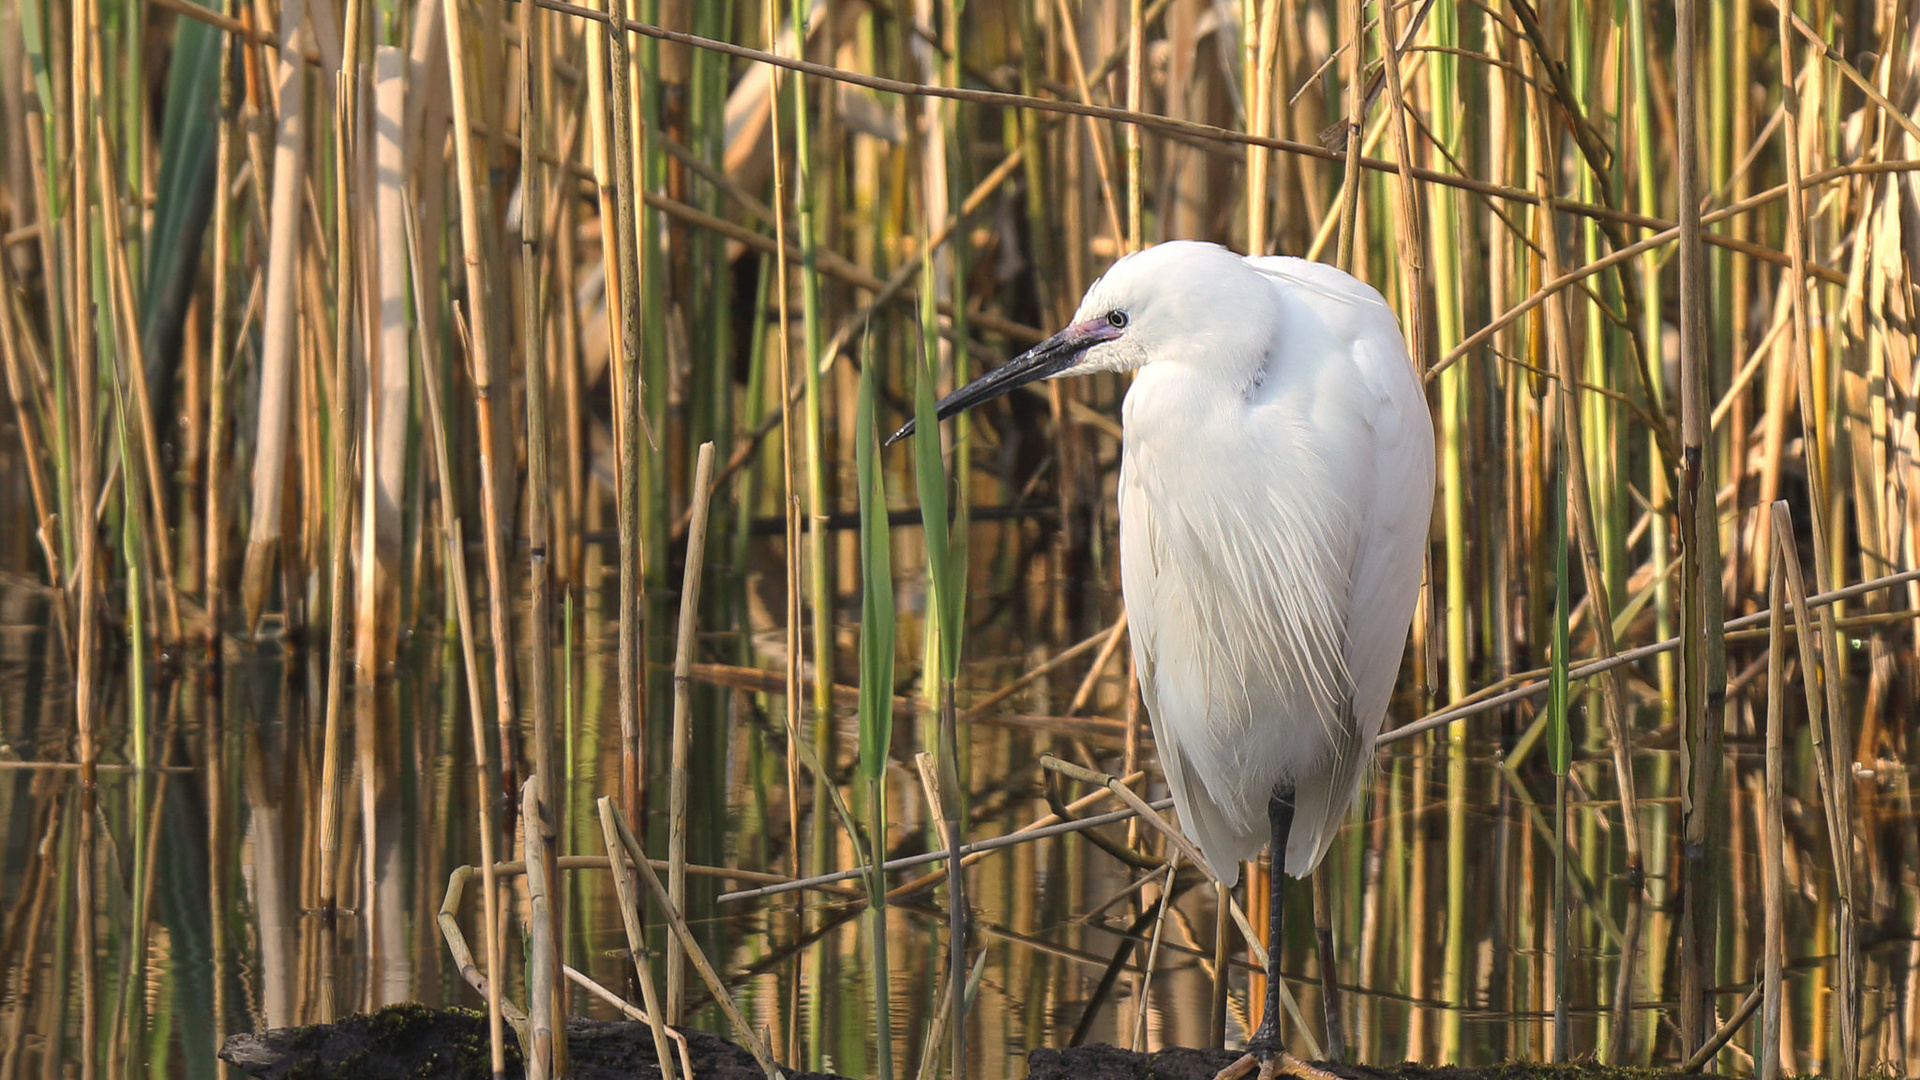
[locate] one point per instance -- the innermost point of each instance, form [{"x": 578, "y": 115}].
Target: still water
[{"x": 206, "y": 916}]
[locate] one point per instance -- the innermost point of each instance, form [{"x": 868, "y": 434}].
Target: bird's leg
[{"x": 1265, "y": 1051}]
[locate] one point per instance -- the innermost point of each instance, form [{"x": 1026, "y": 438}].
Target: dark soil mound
[
  {"x": 1102, "y": 1062},
  {"x": 413, "y": 1042}
]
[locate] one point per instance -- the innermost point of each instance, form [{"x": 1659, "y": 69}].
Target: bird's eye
[{"x": 1117, "y": 320}]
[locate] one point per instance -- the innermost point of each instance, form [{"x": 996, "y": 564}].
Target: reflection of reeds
[{"x": 708, "y": 247}]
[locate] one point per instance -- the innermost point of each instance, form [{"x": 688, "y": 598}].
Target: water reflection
[{"x": 215, "y": 866}]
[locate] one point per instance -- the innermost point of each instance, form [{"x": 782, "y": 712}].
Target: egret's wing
[
  {"x": 1395, "y": 485},
  {"x": 1236, "y": 549},
  {"x": 1270, "y": 552}
]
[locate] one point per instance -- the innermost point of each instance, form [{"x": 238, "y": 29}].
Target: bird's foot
[{"x": 1271, "y": 1065}]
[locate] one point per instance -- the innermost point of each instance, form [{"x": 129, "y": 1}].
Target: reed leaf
[
  {"x": 946, "y": 579},
  {"x": 876, "y": 592}
]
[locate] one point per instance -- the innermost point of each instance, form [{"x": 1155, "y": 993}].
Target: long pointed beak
[{"x": 1051, "y": 357}]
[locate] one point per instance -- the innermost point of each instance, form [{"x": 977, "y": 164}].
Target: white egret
[{"x": 1276, "y": 483}]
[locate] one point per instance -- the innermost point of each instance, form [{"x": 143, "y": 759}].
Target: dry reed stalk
[
  {"x": 677, "y": 777},
  {"x": 1144, "y": 985},
  {"x": 546, "y": 990},
  {"x": 130, "y": 369},
  {"x": 789, "y": 501},
  {"x": 219, "y": 348},
  {"x": 1136, "y": 75},
  {"x": 85, "y": 34},
  {"x": 485, "y": 369},
  {"x": 677, "y": 922},
  {"x": 455, "y": 565},
  {"x": 1070, "y": 36},
  {"x": 678, "y": 1039},
  {"x": 622, "y": 254},
  {"x": 388, "y": 397},
  {"x": 280, "y": 331},
  {"x": 1265, "y": 39},
  {"x": 547, "y": 1026},
  {"x": 31, "y": 448},
  {"x": 1833, "y": 776},
  {"x": 1819, "y": 483},
  {"x": 1773, "y": 849}
]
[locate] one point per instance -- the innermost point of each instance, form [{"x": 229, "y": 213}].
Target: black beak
[{"x": 1051, "y": 357}]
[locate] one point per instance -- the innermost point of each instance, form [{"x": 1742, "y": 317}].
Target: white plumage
[
  {"x": 1276, "y": 482},
  {"x": 1275, "y": 487},
  {"x": 1275, "y": 491}
]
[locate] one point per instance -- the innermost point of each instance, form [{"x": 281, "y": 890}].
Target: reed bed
[{"x": 499, "y": 383}]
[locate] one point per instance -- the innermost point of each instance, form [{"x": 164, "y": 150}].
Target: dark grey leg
[{"x": 1266, "y": 1038}]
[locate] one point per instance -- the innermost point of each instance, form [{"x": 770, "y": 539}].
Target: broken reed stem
[
  {"x": 1185, "y": 847},
  {"x": 626, "y": 889},
  {"x": 626, "y": 1007},
  {"x": 683, "y": 719},
  {"x": 547, "y": 1027},
  {"x": 1833, "y": 779},
  {"x": 448, "y": 920},
  {"x": 1153, "y": 956},
  {"x": 678, "y": 923}
]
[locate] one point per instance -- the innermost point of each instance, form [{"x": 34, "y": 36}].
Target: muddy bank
[
  {"x": 1102, "y": 1062},
  {"x": 413, "y": 1042}
]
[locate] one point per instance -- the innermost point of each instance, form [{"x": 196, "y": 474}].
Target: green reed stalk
[
  {"x": 946, "y": 582},
  {"x": 1703, "y": 649},
  {"x": 1560, "y": 739},
  {"x": 819, "y": 576},
  {"x": 1443, "y": 85},
  {"x": 876, "y": 694},
  {"x": 1646, "y": 189}
]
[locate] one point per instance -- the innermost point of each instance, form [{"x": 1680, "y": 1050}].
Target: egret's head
[{"x": 1183, "y": 300}]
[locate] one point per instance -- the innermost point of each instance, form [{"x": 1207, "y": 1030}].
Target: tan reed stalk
[
  {"x": 1265, "y": 41},
  {"x": 1819, "y": 488},
  {"x": 789, "y": 500},
  {"x": 1145, "y": 985},
  {"x": 547, "y": 1027},
  {"x": 31, "y": 448},
  {"x": 677, "y": 922},
  {"x": 489, "y": 402},
  {"x": 1767, "y": 1051},
  {"x": 85, "y": 35},
  {"x": 1136, "y": 75},
  {"x": 620, "y": 246},
  {"x": 1833, "y": 778},
  {"x": 388, "y": 395},
  {"x": 280, "y": 330},
  {"x": 452, "y": 535},
  {"x": 546, "y": 987},
  {"x": 677, "y": 777},
  {"x": 130, "y": 364},
  {"x": 1096, "y": 132},
  {"x": 632, "y": 908},
  {"x": 219, "y": 348}
]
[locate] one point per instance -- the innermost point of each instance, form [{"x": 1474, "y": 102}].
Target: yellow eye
[{"x": 1117, "y": 320}]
